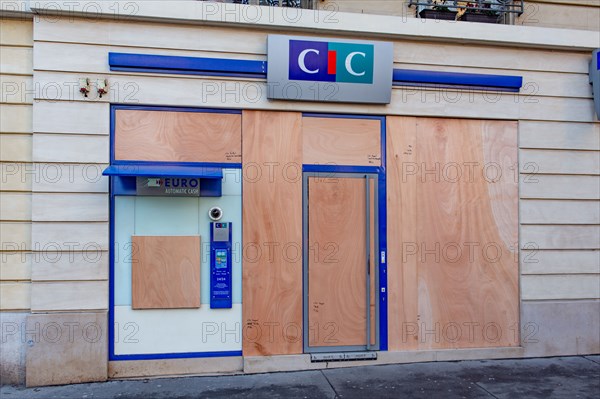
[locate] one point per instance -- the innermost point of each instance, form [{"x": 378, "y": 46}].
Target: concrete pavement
[{"x": 560, "y": 377}]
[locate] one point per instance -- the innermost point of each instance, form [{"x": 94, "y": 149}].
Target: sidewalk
[{"x": 563, "y": 377}]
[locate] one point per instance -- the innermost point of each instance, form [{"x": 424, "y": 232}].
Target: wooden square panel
[{"x": 165, "y": 272}]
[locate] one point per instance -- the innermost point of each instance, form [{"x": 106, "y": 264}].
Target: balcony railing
[{"x": 497, "y": 11}]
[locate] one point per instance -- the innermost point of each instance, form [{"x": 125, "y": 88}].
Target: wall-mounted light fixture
[
  {"x": 102, "y": 85},
  {"x": 84, "y": 86}
]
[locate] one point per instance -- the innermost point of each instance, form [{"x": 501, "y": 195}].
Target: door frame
[
  {"x": 380, "y": 170},
  {"x": 374, "y": 177}
]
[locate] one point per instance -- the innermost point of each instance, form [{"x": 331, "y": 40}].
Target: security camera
[{"x": 215, "y": 213}]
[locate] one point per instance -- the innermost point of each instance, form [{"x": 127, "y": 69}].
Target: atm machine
[{"x": 220, "y": 264}]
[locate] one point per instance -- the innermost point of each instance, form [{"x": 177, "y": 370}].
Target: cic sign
[{"x": 310, "y": 69}]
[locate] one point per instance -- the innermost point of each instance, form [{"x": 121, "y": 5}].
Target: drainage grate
[{"x": 342, "y": 357}]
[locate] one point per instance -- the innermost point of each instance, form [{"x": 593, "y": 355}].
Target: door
[{"x": 340, "y": 262}]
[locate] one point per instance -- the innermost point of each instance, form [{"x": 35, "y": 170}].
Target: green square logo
[{"x": 354, "y": 62}]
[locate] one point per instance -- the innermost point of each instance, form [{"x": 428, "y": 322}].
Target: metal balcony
[{"x": 497, "y": 11}]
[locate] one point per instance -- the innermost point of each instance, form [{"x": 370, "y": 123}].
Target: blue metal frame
[
  {"x": 149, "y": 63},
  {"x": 112, "y": 190},
  {"x": 155, "y": 170},
  {"x": 414, "y": 77},
  {"x": 382, "y": 204},
  {"x": 189, "y": 65}
]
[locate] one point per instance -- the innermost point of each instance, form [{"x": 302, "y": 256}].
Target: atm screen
[{"x": 220, "y": 259}]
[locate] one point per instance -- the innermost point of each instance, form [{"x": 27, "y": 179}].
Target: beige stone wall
[{"x": 16, "y": 175}]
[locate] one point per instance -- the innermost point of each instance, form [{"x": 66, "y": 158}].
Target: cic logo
[{"x": 331, "y": 62}]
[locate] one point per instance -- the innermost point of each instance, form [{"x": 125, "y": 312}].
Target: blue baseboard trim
[
  {"x": 187, "y": 355},
  {"x": 149, "y": 63}
]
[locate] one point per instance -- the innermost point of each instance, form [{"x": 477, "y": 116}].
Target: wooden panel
[
  {"x": 14, "y": 296},
  {"x": 560, "y": 162},
  {"x": 16, "y": 32},
  {"x": 341, "y": 141},
  {"x": 535, "y": 261},
  {"x": 456, "y": 285},
  {"x": 560, "y": 237},
  {"x": 16, "y": 60},
  {"x": 66, "y": 116},
  {"x": 559, "y": 212},
  {"x": 178, "y": 136},
  {"x": 336, "y": 269},
  {"x": 559, "y": 135},
  {"x": 533, "y": 185},
  {"x": 70, "y": 148},
  {"x": 58, "y": 266},
  {"x": 61, "y": 207},
  {"x": 165, "y": 272},
  {"x": 15, "y": 266},
  {"x": 403, "y": 284},
  {"x": 72, "y": 295},
  {"x": 15, "y": 118},
  {"x": 77, "y": 352},
  {"x": 272, "y": 213},
  {"x": 68, "y": 178},
  {"x": 15, "y": 147},
  {"x": 15, "y": 206},
  {"x": 578, "y": 286}
]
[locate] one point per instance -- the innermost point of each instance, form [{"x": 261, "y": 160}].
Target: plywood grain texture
[
  {"x": 402, "y": 223},
  {"x": 341, "y": 141},
  {"x": 165, "y": 272},
  {"x": 461, "y": 249},
  {"x": 337, "y": 262},
  {"x": 272, "y": 213},
  {"x": 177, "y": 136}
]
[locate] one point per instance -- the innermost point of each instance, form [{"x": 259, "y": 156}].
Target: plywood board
[
  {"x": 337, "y": 229},
  {"x": 177, "y": 136},
  {"x": 341, "y": 141},
  {"x": 462, "y": 245},
  {"x": 272, "y": 215},
  {"x": 165, "y": 272},
  {"x": 402, "y": 231}
]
